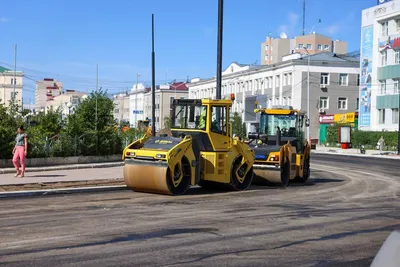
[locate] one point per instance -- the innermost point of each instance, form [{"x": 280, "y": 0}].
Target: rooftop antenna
[{"x": 304, "y": 16}]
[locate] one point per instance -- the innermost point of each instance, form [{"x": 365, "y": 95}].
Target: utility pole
[
  {"x": 219, "y": 48},
  {"x": 136, "y": 95},
  {"x": 15, "y": 78},
  {"x": 304, "y": 16},
  {"x": 153, "y": 80},
  {"x": 308, "y": 95},
  {"x": 97, "y": 85},
  {"x": 398, "y": 130}
]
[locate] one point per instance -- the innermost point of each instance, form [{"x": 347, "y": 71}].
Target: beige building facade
[
  {"x": 67, "y": 101},
  {"x": 121, "y": 107},
  {"x": 165, "y": 94},
  {"x": 46, "y": 90},
  {"x": 7, "y": 81},
  {"x": 273, "y": 49}
]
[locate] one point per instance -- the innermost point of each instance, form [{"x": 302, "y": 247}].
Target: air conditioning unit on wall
[{"x": 322, "y": 111}]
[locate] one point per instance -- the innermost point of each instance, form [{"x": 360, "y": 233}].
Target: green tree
[
  {"x": 237, "y": 125},
  {"x": 8, "y": 129},
  {"x": 167, "y": 123},
  {"x": 95, "y": 128}
]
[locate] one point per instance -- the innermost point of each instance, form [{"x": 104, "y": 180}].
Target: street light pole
[
  {"x": 137, "y": 81},
  {"x": 15, "y": 78},
  {"x": 308, "y": 96}
]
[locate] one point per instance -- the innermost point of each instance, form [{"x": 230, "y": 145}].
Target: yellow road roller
[
  {"x": 282, "y": 153},
  {"x": 201, "y": 151}
]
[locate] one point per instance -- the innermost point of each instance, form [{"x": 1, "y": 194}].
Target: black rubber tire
[
  {"x": 285, "y": 173},
  {"x": 235, "y": 184},
  {"x": 306, "y": 172},
  {"x": 185, "y": 182}
]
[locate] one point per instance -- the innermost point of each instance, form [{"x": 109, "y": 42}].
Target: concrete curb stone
[
  {"x": 66, "y": 167},
  {"x": 92, "y": 189},
  {"x": 332, "y": 152}
]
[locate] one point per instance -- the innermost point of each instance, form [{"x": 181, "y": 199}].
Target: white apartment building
[
  {"x": 333, "y": 86},
  {"x": 121, "y": 107},
  {"x": 136, "y": 104},
  {"x": 7, "y": 82},
  {"x": 380, "y": 67},
  {"x": 46, "y": 90},
  {"x": 67, "y": 101}
]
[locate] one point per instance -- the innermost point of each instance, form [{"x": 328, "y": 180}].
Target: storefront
[{"x": 326, "y": 120}]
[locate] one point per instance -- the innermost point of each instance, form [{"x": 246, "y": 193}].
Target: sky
[{"x": 66, "y": 39}]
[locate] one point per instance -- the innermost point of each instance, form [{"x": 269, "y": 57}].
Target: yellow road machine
[
  {"x": 201, "y": 151},
  {"x": 282, "y": 153}
]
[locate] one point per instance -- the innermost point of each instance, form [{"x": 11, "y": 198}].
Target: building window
[
  {"x": 285, "y": 79},
  {"x": 357, "y": 103},
  {"x": 326, "y": 47},
  {"x": 116, "y": 111},
  {"x": 284, "y": 101},
  {"x": 383, "y": 87},
  {"x": 266, "y": 47},
  {"x": 277, "y": 81},
  {"x": 342, "y": 103},
  {"x": 269, "y": 104},
  {"x": 325, "y": 78},
  {"x": 277, "y": 101},
  {"x": 300, "y": 46},
  {"x": 343, "y": 79},
  {"x": 381, "y": 116},
  {"x": 266, "y": 57},
  {"x": 358, "y": 79},
  {"x": 395, "y": 115},
  {"x": 397, "y": 56},
  {"x": 319, "y": 47},
  {"x": 398, "y": 25},
  {"x": 13, "y": 81},
  {"x": 270, "y": 58},
  {"x": 272, "y": 47},
  {"x": 395, "y": 86},
  {"x": 324, "y": 102},
  {"x": 384, "y": 28},
  {"x": 383, "y": 58},
  {"x": 289, "y": 79},
  {"x": 309, "y": 46}
]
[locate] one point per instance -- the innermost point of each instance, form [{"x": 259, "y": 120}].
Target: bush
[{"x": 367, "y": 138}]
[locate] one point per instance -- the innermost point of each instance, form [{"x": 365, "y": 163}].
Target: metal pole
[
  {"x": 15, "y": 78},
  {"x": 398, "y": 130},
  {"x": 137, "y": 81},
  {"x": 219, "y": 48},
  {"x": 97, "y": 85},
  {"x": 153, "y": 80},
  {"x": 308, "y": 100}
]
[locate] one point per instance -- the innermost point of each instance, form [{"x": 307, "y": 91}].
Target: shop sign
[
  {"x": 345, "y": 118},
  {"x": 326, "y": 119}
]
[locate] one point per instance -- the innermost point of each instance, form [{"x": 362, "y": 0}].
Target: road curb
[
  {"x": 45, "y": 192},
  {"x": 357, "y": 155},
  {"x": 66, "y": 167}
]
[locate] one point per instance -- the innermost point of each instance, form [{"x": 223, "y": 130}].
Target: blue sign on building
[{"x": 137, "y": 111}]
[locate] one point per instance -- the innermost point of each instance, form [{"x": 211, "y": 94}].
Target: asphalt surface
[{"x": 340, "y": 217}]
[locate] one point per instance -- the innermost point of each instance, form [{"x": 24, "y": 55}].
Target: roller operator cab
[
  {"x": 201, "y": 151},
  {"x": 281, "y": 152}
]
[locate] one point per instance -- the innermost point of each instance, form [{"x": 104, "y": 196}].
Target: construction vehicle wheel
[
  {"x": 175, "y": 186},
  {"x": 306, "y": 172},
  {"x": 285, "y": 173},
  {"x": 243, "y": 181}
]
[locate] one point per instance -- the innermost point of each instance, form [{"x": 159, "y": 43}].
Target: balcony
[
  {"x": 387, "y": 101},
  {"x": 389, "y": 72}
]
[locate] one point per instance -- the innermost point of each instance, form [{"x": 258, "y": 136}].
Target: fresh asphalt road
[{"x": 340, "y": 217}]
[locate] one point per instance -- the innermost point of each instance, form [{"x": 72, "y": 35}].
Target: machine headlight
[
  {"x": 160, "y": 156},
  {"x": 274, "y": 157},
  {"x": 130, "y": 154}
]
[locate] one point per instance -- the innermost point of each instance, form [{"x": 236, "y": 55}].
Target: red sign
[{"x": 325, "y": 119}]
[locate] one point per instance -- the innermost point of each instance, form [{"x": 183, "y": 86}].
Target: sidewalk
[
  {"x": 355, "y": 152},
  {"x": 66, "y": 175}
]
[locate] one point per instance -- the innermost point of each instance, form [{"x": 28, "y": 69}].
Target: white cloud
[
  {"x": 290, "y": 26},
  {"x": 341, "y": 25},
  {"x": 3, "y": 19}
]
